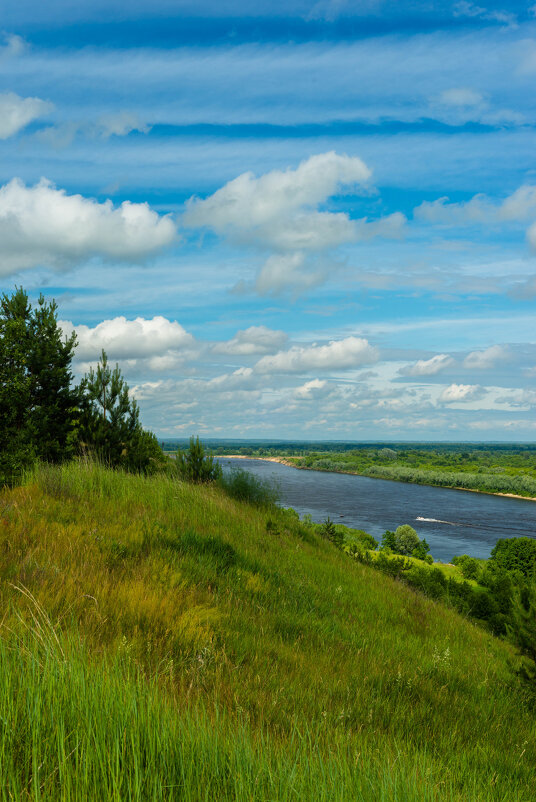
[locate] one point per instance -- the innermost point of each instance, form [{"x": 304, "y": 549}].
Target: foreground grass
[{"x": 177, "y": 650}]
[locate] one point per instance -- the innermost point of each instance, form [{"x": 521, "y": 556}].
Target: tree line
[{"x": 44, "y": 415}]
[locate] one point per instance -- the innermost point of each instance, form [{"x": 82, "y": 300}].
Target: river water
[{"x": 452, "y": 521}]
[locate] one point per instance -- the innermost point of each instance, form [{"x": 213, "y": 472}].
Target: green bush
[
  {"x": 406, "y": 541},
  {"x": 195, "y": 465},
  {"x": 331, "y": 532},
  {"x": 516, "y": 554},
  {"x": 244, "y": 486},
  {"x": 467, "y": 565}
]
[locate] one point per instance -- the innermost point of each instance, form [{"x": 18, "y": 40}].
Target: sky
[{"x": 310, "y": 220}]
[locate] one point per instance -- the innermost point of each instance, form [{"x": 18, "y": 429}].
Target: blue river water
[{"x": 452, "y": 521}]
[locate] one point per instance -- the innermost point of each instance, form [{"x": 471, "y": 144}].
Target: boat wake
[{"x": 439, "y": 521}]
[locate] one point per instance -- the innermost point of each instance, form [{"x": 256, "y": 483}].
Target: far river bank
[{"x": 285, "y": 461}]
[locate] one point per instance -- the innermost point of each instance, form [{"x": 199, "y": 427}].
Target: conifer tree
[
  {"x": 110, "y": 427},
  {"x": 38, "y": 408}
]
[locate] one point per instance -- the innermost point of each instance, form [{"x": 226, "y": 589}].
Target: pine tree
[
  {"x": 38, "y": 408},
  {"x": 195, "y": 465},
  {"x": 110, "y": 427},
  {"x": 55, "y": 403}
]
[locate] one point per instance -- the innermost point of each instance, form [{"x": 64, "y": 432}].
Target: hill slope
[{"x": 174, "y": 647}]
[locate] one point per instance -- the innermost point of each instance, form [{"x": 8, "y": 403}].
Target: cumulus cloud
[
  {"x": 16, "y": 112},
  {"x": 158, "y": 339},
  {"x": 310, "y": 389},
  {"x": 289, "y": 270},
  {"x": 484, "y": 360},
  {"x": 42, "y": 225},
  {"x": 352, "y": 352},
  {"x": 428, "y": 367},
  {"x": 254, "y": 340},
  {"x": 280, "y": 211},
  {"x": 461, "y": 393}
]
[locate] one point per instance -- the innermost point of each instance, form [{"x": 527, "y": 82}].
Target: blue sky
[{"x": 306, "y": 220}]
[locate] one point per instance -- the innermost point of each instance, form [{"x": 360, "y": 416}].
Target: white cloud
[
  {"x": 120, "y": 124},
  {"x": 468, "y": 9},
  {"x": 461, "y": 104},
  {"x": 310, "y": 389},
  {"x": 461, "y": 96},
  {"x": 461, "y": 393},
  {"x": 428, "y": 367},
  {"x": 14, "y": 46},
  {"x": 484, "y": 360},
  {"x": 16, "y": 112},
  {"x": 289, "y": 270},
  {"x": 278, "y": 209},
  {"x": 518, "y": 398},
  {"x": 42, "y": 225},
  {"x": 531, "y": 236},
  {"x": 518, "y": 207},
  {"x": 157, "y": 338},
  {"x": 351, "y": 352},
  {"x": 254, "y": 340}
]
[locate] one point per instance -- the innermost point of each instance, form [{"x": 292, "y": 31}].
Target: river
[{"x": 452, "y": 521}]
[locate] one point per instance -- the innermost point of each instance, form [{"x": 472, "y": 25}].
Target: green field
[{"x": 159, "y": 641}]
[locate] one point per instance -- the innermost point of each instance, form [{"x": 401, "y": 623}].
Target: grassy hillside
[{"x": 160, "y": 641}]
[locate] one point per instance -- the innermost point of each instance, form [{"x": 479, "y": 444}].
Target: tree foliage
[
  {"x": 38, "y": 406},
  {"x": 110, "y": 427},
  {"x": 405, "y": 541},
  {"x": 195, "y": 465},
  {"x": 332, "y": 532},
  {"x": 516, "y": 554}
]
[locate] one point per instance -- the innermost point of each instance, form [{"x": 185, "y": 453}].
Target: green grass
[{"x": 176, "y": 649}]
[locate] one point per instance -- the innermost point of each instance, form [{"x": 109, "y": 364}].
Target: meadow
[{"x": 161, "y": 640}]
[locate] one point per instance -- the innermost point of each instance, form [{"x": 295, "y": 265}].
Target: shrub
[
  {"x": 407, "y": 539},
  {"x": 516, "y": 554},
  {"x": 331, "y": 532},
  {"x": 467, "y": 565},
  {"x": 244, "y": 486},
  {"x": 195, "y": 465}
]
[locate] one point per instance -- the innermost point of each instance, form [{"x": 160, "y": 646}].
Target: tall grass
[{"x": 197, "y": 653}]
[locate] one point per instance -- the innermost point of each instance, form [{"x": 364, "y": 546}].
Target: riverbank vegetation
[{"x": 161, "y": 640}]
